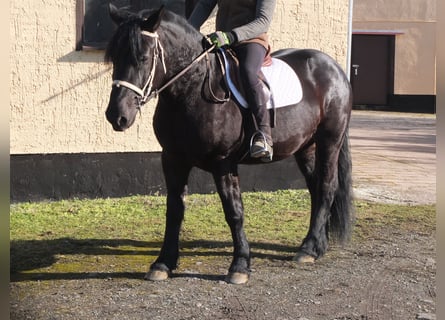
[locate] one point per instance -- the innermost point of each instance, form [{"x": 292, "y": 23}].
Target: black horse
[{"x": 197, "y": 127}]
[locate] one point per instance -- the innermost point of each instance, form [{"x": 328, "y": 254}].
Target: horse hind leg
[
  {"x": 306, "y": 162},
  {"x": 327, "y": 170},
  {"x": 324, "y": 184}
]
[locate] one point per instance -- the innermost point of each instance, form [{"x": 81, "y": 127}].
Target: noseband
[{"x": 146, "y": 92}]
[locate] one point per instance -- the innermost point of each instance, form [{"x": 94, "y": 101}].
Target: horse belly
[{"x": 202, "y": 135}]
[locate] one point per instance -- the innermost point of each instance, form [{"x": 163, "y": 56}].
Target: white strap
[
  {"x": 121, "y": 83},
  {"x": 150, "y": 34}
]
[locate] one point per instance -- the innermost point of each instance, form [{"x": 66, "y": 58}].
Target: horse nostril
[{"x": 122, "y": 121}]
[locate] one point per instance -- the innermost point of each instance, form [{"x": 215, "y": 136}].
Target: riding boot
[{"x": 261, "y": 142}]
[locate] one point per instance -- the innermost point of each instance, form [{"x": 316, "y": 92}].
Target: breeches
[{"x": 251, "y": 58}]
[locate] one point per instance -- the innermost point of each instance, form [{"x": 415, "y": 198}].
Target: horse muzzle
[{"x": 119, "y": 121}]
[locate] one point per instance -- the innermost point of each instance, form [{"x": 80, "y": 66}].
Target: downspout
[{"x": 348, "y": 55}]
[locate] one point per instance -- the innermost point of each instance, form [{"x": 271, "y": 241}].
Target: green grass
[{"x": 124, "y": 235}]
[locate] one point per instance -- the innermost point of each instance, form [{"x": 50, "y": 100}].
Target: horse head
[{"x": 135, "y": 52}]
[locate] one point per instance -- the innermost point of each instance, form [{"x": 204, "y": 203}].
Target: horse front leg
[
  {"x": 230, "y": 194},
  {"x": 176, "y": 175}
]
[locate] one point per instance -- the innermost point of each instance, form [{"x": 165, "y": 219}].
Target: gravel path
[{"x": 394, "y": 157}]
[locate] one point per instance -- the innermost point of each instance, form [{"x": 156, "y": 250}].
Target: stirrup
[{"x": 265, "y": 152}]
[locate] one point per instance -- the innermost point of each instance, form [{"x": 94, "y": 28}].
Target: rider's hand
[{"x": 220, "y": 39}]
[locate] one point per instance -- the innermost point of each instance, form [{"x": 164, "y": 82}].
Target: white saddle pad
[{"x": 285, "y": 86}]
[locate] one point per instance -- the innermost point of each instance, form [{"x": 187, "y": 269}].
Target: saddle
[
  {"x": 280, "y": 82},
  {"x": 230, "y": 68}
]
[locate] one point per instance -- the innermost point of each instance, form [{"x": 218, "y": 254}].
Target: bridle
[{"x": 147, "y": 92}]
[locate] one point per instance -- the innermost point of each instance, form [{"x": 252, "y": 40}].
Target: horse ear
[
  {"x": 117, "y": 15},
  {"x": 152, "y": 22}
]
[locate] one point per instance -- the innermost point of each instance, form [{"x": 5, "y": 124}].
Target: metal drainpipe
[{"x": 348, "y": 56}]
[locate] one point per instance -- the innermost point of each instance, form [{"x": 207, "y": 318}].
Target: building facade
[
  {"x": 59, "y": 137},
  {"x": 393, "y": 61}
]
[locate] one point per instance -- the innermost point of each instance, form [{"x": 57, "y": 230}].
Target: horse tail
[{"x": 342, "y": 210}]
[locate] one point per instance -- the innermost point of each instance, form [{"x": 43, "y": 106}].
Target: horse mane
[{"x": 127, "y": 39}]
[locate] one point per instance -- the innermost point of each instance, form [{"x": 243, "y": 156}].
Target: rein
[{"x": 146, "y": 93}]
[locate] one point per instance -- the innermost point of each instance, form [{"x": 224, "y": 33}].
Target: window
[{"x": 95, "y": 27}]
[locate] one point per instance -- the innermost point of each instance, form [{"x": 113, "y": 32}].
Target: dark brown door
[{"x": 372, "y": 75}]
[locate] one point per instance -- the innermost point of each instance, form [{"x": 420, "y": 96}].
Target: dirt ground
[
  {"x": 391, "y": 275},
  {"x": 382, "y": 279}
]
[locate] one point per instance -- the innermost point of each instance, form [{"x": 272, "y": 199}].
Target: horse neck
[{"x": 181, "y": 47}]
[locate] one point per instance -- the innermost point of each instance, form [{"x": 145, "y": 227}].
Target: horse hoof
[
  {"x": 156, "y": 275},
  {"x": 237, "y": 278},
  {"x": 303, "y": 258}
]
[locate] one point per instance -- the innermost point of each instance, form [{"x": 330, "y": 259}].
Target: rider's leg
[{"x": 251, "y": 57}]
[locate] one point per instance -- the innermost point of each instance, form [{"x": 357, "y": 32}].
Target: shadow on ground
[{"x": 29, "y": 255}]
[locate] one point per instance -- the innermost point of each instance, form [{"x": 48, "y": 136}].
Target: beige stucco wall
[
  {"x": 58, "y": 96},
  {"x": 415, "y": 52}
]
